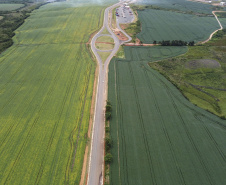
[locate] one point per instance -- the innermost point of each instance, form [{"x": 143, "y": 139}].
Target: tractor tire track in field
[
  {"x": 76, "y": 68},
  {"x": 211, "y": 137},
  {"x": 148, "y": 153},
  {"x": 21, "y": 84},
  {"x": 7, "y": 134},
  {"x": 70, "y": 162},
  {"x": 81, "y": 117},
  {"x": 79, "y": 126},
  {"x": 4, "y": 70},
  {"x": 116, "y": 112},
  {"x": 46, "y": 100},
  {"x": 33, "y": 125},
  {"x": 120, "y": 113},
  {"x": 191, "y": 140},
  {"x": 195, "y": 148},
  {"x": 178, "y": 169},
  {"x": 38, "y": 178},
  {"x": 13, "y": 125},
  {"x": 190, "y": 107}
]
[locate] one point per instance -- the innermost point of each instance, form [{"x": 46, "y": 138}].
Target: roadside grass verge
[{"x": 120, "y": 53}]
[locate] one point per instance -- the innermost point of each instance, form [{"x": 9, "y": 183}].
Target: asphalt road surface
[{"x": 95, "y": 174}]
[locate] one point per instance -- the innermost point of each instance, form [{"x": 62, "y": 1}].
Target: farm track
[{"x": 221, "y": 27}]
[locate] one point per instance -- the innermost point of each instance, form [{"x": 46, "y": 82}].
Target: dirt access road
[{"x": 221, "y": 27}]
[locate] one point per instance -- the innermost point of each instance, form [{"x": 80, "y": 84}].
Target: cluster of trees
[
  {"x": 142, "y": 8},
  {"x": 108, "y": 142},
  {"x": 108, "y": 111},
  {"x": 11, "y": 21},
  {"x": 175, "y": 43}
]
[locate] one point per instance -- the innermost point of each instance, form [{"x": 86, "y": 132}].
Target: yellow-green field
[
  {"x": 9, "y": 7},
  {"x": 46, "y": 81}
]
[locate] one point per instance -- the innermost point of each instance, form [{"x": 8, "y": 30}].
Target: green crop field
[
  {"x": 10, "y": 7},
  {"x": 182, "y": 5},
  {"x": 158, "y": 136},
  {"x": 141, "y": 53},
  {"x": 161, "y": 25},
  {"x": 46, "y": 84},
  {"x": 223, "y": 22}
]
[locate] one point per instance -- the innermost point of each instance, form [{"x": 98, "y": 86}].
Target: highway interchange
[{"x": 96, "y": 161}]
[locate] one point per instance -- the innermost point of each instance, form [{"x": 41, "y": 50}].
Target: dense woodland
[{"x": 12, "y": 20}]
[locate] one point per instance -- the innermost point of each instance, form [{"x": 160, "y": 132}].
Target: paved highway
[{"x": 95, "y": 173}]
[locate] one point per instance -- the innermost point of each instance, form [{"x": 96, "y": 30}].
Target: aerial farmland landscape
[{"x": 112, "y": 92}]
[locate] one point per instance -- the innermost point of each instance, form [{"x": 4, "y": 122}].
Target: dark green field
[
  {"x": 182, "y": 5},
  {"x": 158, "y": 136},
  {"x": 159, "y": 25}
]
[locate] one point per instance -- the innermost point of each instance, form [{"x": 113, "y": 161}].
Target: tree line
[
  {"x": 11, "y": 21},
  {"x": 175, "y": 43}
]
